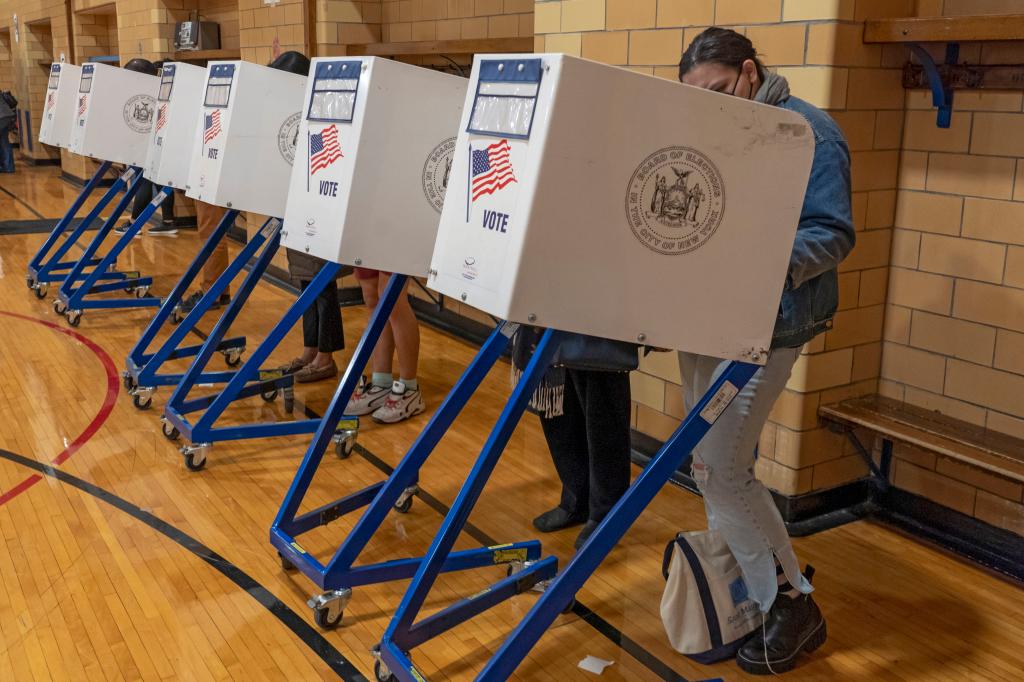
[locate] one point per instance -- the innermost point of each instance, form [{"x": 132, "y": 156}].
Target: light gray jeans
[{"x": 737, "y": 504}]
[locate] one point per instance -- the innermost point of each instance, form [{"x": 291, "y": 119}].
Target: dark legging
[
  {"x": 145, "y": 195},
  {"x": 589, "y": 442},
  {"x": 321, "y": 323}
]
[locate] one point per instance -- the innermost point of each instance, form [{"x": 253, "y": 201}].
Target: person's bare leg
[
  {"x": 384, "y": 352},
  {"x": 406, "y": 329}
]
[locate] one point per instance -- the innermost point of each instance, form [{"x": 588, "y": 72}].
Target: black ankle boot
[{"x": 794, "y": 625}]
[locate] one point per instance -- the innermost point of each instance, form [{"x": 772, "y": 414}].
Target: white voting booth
[
  {"x": 172, "y": 142},
  {"x": 373, "y": 159},
  {"x": 596, "y": 200},
  {"x": 114, "y": 114},
  {"x": 59, "y": 107},
  {"x": 245, "y": 137}
]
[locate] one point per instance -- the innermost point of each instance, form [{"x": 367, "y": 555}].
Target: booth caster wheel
[
  {"x": 329, "y": 607},
  {"x": 404, "y": 503},
  {"x": 40, "y": 290},
  {"x": 381, "y": 672},
  {"x": 127, "y": 381},
  {"x": 176, "y": 316},
  {"x": 269, "y": 396},
  {"x": 142, "y": 291},
  {"x": 142, "y": 399},
  {"x": 74, "y": 317},
  {"x": 194, "y": 456},
  {"x": 345, "y": 443},
  {"x": 233, "y": 357},
  {"x": 30, "y": 282},
  {"x": 170, "y": 431},
  {"x": 285, "y": 564},
  {"x": 59, "y": 307}
]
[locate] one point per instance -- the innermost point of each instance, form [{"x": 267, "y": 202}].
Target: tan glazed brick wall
[{"x": 817, "y": 46}]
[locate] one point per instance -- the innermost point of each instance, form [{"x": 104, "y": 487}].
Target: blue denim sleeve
[{"x": 825, "y": 235}]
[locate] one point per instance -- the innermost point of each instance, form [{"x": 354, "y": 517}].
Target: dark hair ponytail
[
  {"x": 142, "y": 66},
  {"x": 292, "y": 62},
  {"x": 720, "y": 46}
]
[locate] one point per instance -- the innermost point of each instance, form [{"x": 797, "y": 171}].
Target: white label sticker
[{"x": 717, "y": 406}]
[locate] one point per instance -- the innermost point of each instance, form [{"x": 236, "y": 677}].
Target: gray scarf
[{"x": 775, "y": 89}]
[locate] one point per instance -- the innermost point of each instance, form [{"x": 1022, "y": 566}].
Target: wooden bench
[{"x": 898, "y": 422}]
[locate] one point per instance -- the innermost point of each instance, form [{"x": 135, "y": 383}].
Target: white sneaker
[
  {"x": 400, "y": 404},
  {"x": 367, "y": 399}
]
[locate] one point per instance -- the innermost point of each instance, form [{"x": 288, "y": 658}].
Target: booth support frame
[{"x": 404, "y": 633}]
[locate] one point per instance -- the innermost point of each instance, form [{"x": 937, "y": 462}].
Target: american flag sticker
[
  {"x": 211, "y": 126},
  {"x": 490, "y": 170},
  {"x": 324, "y": 150},
  {"x": 83, "y": 104},
  {"x": 161, "y": 117}
]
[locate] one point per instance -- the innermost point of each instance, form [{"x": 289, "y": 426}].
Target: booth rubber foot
[
  {"x": 195, "y": 455},
  {"x": 329, "y": 607},
  {"x": 285, "y": 563}
]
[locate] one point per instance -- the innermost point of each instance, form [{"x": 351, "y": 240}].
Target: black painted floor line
[
  {"x": 41, "y": 226},
  {"x": 18, "y": 199},
  {"x": 303, "y": 630}
]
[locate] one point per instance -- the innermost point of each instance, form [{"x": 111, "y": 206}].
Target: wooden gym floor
[{"x": 118, "y": 563}]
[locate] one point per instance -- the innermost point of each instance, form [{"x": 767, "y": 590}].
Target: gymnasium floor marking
[
  {"x": 591, "y": 618},
  {"x": 18, "y": 199},
  {"x": 305, "y": 632},
  {"x": 109, "y": 400}
]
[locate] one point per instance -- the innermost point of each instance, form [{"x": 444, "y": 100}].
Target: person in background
[
  {"x": 145, "y": 193},
  {"x": 386, "y": 399},
  {"x": 737, "y": 504},
  {"x": 8, "y": 120},
  {"x": 322, "y": 331},
  {"x": 208, "y": 217},
  {"x": 584, "y": 406}
]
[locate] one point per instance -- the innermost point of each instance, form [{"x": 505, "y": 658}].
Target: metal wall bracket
[{"x": 942, "y": 92}]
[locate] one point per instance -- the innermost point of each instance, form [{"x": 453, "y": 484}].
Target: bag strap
[
  {"x": 667, "y": 557},
  {"x": 704, "y": 590}
]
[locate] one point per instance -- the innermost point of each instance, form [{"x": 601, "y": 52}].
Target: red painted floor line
[{"x": 113, "y": 387}]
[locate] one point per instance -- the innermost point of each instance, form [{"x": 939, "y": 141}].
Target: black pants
[
  {"x": 321, "y": 323},
  {"x": 145, "y": 195},
  {"x": 589, "y": 443}
]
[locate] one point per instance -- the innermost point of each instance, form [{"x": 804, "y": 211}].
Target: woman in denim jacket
[{"x": 737, "y": 504}]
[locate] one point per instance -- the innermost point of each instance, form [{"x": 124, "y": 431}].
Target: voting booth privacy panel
[
  {"x": 59, "y": 107},
  {"x": 592, "y": 199},
  {"x": 114, "y": 114},
  {"x": 245, "y": 137},
  {"x": 373, "y": 161},
  {"x": 173, "y": 139}
]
